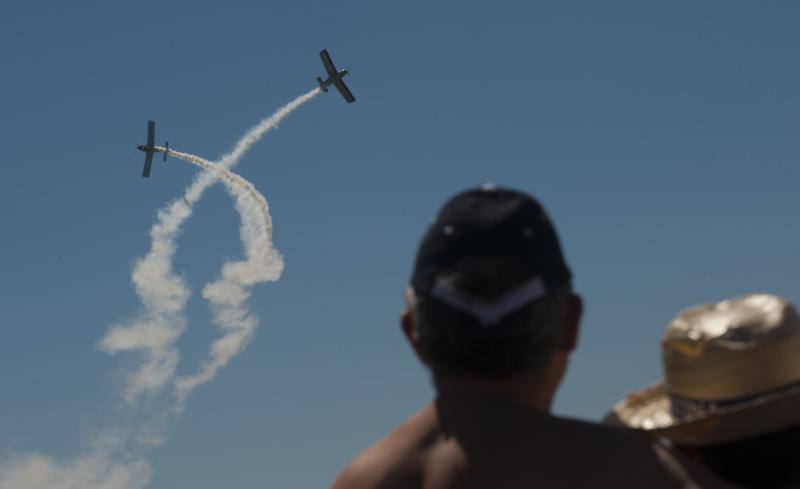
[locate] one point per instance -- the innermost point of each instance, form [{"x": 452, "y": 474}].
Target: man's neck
[{"x": 530, "y": 389}]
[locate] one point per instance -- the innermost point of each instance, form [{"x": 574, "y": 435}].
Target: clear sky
[{"x": 661, "y": 136}]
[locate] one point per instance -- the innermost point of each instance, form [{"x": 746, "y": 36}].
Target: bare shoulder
[
  {"x": 506, "y": 445},
  {"x": 395, "y": 461},
  {"x": 642, "y": 459}
]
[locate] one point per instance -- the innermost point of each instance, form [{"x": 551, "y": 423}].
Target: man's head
[
  {"x": 490, "y": 296},
  {"x": 731, "y": 390}
]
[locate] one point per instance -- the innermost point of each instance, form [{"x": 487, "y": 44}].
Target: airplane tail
[
  {"x": 166, "y": 145},
  {"x": 322, "y": 84}
]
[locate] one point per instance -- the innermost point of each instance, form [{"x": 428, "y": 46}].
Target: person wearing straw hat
[
  {"x": 730, "y": 397},
  {"x": 491, "y": 313}
]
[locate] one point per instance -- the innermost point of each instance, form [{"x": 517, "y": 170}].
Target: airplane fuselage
[
  {"x": 324, "y": 84},
  {"x": 151, "y": 148}
]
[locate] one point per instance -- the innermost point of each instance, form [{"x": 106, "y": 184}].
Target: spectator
[
  {"x": 730, "y": 397},
  {"x": 492, "y": 314}
]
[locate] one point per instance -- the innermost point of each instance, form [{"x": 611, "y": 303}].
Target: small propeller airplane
[
  {"x": 150, "y": 148},
  {"x": 334, "y": 78}
]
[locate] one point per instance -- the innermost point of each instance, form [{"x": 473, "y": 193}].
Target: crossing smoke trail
[
  {"x": 163, "y": 293},
  {"x": 110, "y": 465},
  {"x": 228, "y": 294},
  {"x": 114, "y": 458}
]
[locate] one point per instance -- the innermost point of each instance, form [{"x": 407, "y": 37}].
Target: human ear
[{"x": 408, "y": 323}]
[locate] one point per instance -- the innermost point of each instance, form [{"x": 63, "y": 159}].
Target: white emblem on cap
[{"x": 489, "y": 313}]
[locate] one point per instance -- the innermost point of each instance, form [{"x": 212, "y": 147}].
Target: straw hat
[{"x": 731, "y": 371}]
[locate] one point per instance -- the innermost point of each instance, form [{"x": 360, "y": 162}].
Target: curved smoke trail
[
  {"x": 115, "y": 458},
  {"x": 228, "y": 294},
  {"x": 111, "y": 463},
  {"x": 163, "y": 293}
]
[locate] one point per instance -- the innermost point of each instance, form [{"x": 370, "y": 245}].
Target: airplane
[
  {"x": 334, "y": 77},
  {"x": 151, "y": 148}
]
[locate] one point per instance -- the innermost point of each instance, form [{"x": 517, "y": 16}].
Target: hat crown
[
  {"x": 491, "y": 222},
  {"x": 735, "y": 348}
]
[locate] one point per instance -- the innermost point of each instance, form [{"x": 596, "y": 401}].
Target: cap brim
[{"x": 649, "y": 410}]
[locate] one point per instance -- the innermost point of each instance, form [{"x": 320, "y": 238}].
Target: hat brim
[{"x": 649, "y": 410}]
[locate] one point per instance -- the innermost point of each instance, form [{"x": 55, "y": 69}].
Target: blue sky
[{"x": 662, "y": 138}]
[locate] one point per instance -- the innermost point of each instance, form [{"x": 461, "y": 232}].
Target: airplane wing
[
  {"x": 148, "y": 162},
  {"x": 326, "y": 61},
  {"x": 151, "y": 133},
  {"x": 344, "y": 91}
]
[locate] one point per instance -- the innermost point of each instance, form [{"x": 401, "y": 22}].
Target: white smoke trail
[
  {"x": 246, "y": 142},
  {"x": 163, "y": 293},
  {"x": 108, "y": 465},
  {"x": 228, "y": 294},
  {"x": 96, "y": 470},
  {"x": 114, "y": 459}
]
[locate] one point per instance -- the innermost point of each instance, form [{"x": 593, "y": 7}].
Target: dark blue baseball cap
[{"x": 491, "y": 222}]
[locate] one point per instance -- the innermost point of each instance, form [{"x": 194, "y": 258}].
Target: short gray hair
[{"x": 456, "y": 344}]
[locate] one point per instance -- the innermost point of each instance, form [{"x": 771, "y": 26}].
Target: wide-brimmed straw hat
[{"x": 731, "y": 372}]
